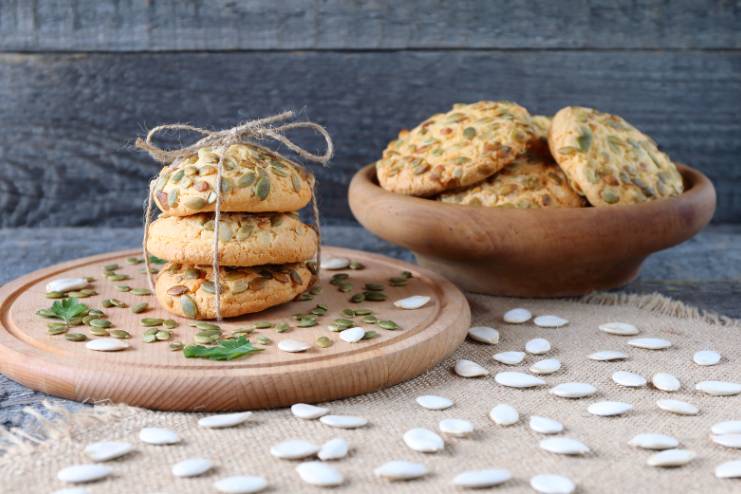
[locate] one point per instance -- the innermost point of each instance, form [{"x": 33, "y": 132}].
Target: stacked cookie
[
  {"x": 496, "y": 154},
  {"x": 263, "y": 246}
]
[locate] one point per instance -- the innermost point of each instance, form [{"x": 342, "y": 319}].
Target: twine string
[{"x": 246, "y": 132}]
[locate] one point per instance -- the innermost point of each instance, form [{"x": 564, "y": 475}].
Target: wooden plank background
[{"x": 79, "y": 80}]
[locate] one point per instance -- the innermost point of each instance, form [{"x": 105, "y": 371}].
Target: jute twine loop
[{"x": 246, "y": 132}]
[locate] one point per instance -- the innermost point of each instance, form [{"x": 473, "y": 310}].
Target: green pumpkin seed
[
  {"x": 390, "y": 325},
  {"x": 79, "y": 294},
  {"x": 243, "y": 331},
  {"x": 246, "y": 180},
  {"x": 278, "y": 171},
  {"x": 99, "y": 331},
  {"x": 58, "y": 330},
  {"x": 96, "y": 312},
  {"x": 176, "y": 346},
  {"x": 208, "y": 287},
  {"x": 111, "y": 267},
  {"x": 357, "y": 298},
  {"x": 369, "y": 335},
  {"x": 170, "y": 324},
  {"x": 584, "y": 140},
  {"x": 117, "y": 277},
  {"x": 348, "y": 313},
  {"x": 139, "y": 308},
  {"x": 323, "y": 342},
  {"x": 283, "y": 327},
  {"x": 469, "y": 132},
  {"x": 123, "y": 288},
  {"x": 55, "y": 295},
  {"x": 149, "y": 338},
  {"x": 343, "y": 323},
  {"x": 303, "y": 297},
  {"x": 356, "y": 265},
  {"x": 118, "y": 303},
  {"x": 263, "y": 325},
  {"x": 134, "y": 260},
  {"x": 362, "y": 312},
  {"x": 296, "y": 278},
  {"x": 75, "y": 337},
  {"x": 163, "y": 335},
  {"x": 101, "y": 323},
  {"x": 141, "y": 291},
  {"x": 337, "y": 278},
  {"x": 315, "y": 290},
  {"x": 56, "y": 325},
  {"x": 120, "y": 334},
  {"x": 151, "y": 331},
  {"x": 398, "y": 281},
  {"x": 375, "y": 296},
  {"x": 107, "y": 303},
  {"x": 296, "y": 182},
  {"x": 75, "y": 321},
  {"x": 239, "y": 287},
  {"x": 609, "y": 196},
  {"x": 264, "y": 340},
  {"x": 374, "y": 287},
  {"x": 370, "y": 319},
  {"x": 195, "y": 203},
  {"x": 151, "y": 321},
  {"x": 262, "y": 187},
  {"x": 188, "y": 306},
  {"x": 307, "y": 322},
  {"x": 47, "y": 313}
]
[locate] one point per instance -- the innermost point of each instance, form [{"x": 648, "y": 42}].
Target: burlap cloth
[{"x": 612, "y": 467}]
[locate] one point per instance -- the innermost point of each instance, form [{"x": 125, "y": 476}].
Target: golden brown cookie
[
  {"x": 532, "y": 181},
  {"x": 188, "y": 290},
  {"x": 255, "y": 180},
  {"x": 455, "y": 149},
  {"x": 608, "y": 160},
  {"x": 246, "y": 239}
]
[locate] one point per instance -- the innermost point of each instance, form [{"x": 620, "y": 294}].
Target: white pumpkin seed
[
  {"x": 628, "y": 379},
  {"x": 319, "y": 474},
  {"x": 706, "y": 357},
  {"x": 334, "y": 449},
  {"x": 653, "y": 441},
  {"x": 550, "y": 321},
  {"x": 484, "y": 334},
  {"x": 504, "y": 415},
  {"x": 719, "y": 388},
  {"x": 294, "y": 449},
  {"x": 607, "y": 355},
  {"x": 106, "y": 345},
  {"x": 401, "y": 470},
  {"x": 343, "y": 421},
  {"x": 72, "y": 490},
  {"x": 510, "y": 358},
  {"x": 650, "y": 343},
  {"x": 544, "y": 425},
  {"x": 469, "y": 368},
  {"x": 729, "y": 470},
  {"x": 224, "y": 420},
  {"x": 433, "y": 402},
  {"x": 413, "y": 302},
  {"x": 517, "y": 316},
  {"x": 665, "y": 382},
  {"x": 241, "y": 484},
  {"x": 66, "y": 285},
  {"x": 727, "y": 440},
  {"x": 479, "y": 479},
  {"x": 671, "y": 458},
  {"x": 563, "y": 446},
  {"x": 78, "y": 474},
  {"x": 727, "y": 427},
  {"x": 158, "y": 436},
  {"x": 552, "y": 484},
  {"x": 573, "y": 390},
  {"x": 518, "y": 380},
  {"x": 334, "y": 263},
  {"x": 293, "y": 346},
  {"x": 308, "y": 412},
  {"x": 609, "y": 408},
  {"x": 619, "y": 328},
  {"x": 423, "y": 440},
  {"x": 107, "y": 450},
  {"x": 352, "y": 335},
  {"x": 546, "y": 366},
  {"x": 677, "y": 406},
  {"x": 456, "y": 427},
  {"x": 538, "y": 346},
  {"x": 192, "y": 467}
]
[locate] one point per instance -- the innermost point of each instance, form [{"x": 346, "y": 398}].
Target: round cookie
[
  {"x": 608, "y": 160},
  {"x": 187, "y": 290},
  {"x": 532, "y": 181},
  {"x": 455, "y": 149},
  {"x": 255, "y": 180},
  {"x": 246, "y": 239}
]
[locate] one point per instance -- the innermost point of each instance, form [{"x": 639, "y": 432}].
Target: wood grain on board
[{"x": 152, "y": 376}]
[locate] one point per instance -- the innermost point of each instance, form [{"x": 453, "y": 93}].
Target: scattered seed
[
  {"x": 356, "y": 265},
  {"x": 665, "y": 382},
  {"x": 650, "y": 343},
  {"x": 66, "y": 285},
  {"x": 77, "y": 474},
  {"x": 151, "y": 321},
  {"x": 192, "y": 467},
  {"x": 456, "y": 427},
  {"x": 106, "y": 345},
  {"x": 677, "y": 406},
  {"x": 550, "y": 321},
  {"x": 546, "y": 366},
  {"x": 653, "y": 441},
  {"x": 434, "y": 402},
  {"x": 628, "y": 379},
  {"x": 401, "y": 470},
  {"x": 319, "y": 474},
  {"x": 294, "y": 449},
  {"x": 343, "y": 421},
  {"x": 563, "y": 446},
  {"x": 671, "y": 458},
  {"x": 334, "y": 449},
  {"x": 170, "y": 324},
  {"x": 264, "y": 340},
  {"x": 75, "y": 337},
  {"x": 607, "y": 356},
  {"x": 504, "y": 415},
  {"x": 293, "y": 346},
  {"x": 323, "y": 342},
  {"x": 241, "y": 484},
  {"x": 552, "y": 484},
  {"x": 423, "y": 440},
  {"x": 484, "y": 334},
  {"x": 176, "y": 346},
  {"x": 509, "y": 358},
  {"x": 573, "y": 390},
  {"x": 308, "y": 412},
  {"x": 728, "y": 470},
  {"x": 99, "y": 331},
  {"x": 517, "y": 316},
  {"x": 158, "y": 436},
  {"x": 479, "y": 479},
  {"x": 390, "y": 325},
  {"x": 538, "y": 346},
  {"x": 706, "y": 358},
  {"x": 107, "y": 450},
  {"x": 518, "y": 380},
  {"x": 609, "y": 408},
  {"x": 413, "y": 302},
  {"x": 719, "y": 388},
  {"x": 141, "y": 291},
  {"x": 469, "y": 368},
  {"x": 224, "y": 420},
  {"x": 544, "y": 425},
  {"x": 334, "y": 263}
]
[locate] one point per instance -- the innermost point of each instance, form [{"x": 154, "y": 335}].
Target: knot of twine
[{"x": 246, "y": 132}]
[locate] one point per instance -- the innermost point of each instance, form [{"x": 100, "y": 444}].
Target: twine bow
[{"x": 247, "y": 132}]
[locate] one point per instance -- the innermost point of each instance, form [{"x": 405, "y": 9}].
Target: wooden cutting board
[{"x": 150, "y": 375}]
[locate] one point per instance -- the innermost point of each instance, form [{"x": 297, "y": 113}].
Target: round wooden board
[{"x": 150, "y": 375}]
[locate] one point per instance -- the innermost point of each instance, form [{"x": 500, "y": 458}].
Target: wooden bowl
[{"x": 548, "y": 252}]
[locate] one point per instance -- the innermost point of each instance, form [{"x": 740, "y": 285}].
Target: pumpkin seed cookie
[
  {"x": 455, "y": 149},
  {"x": 608, "y": 160},
  {"x": 246, "y": 239},
  {"x": 532, "y": 181},
  {"x": 188, "y": 290},
  {"x": 254, "y": 180}
]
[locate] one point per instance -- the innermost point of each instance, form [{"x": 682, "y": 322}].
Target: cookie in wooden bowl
[
  {"x": 532, "y": 181},
  {"x": 254, "y": 180},
  {"x": 461, "y": 147},
  {"x": 608, "y": 160},
  {"x": 245, "y": 239},
  {"x": 188, "y": 290}
]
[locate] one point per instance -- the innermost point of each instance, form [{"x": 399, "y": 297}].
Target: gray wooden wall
[{"x": 79, "y": 80}]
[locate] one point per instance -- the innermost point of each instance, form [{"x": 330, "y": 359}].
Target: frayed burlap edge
[{"x": 65, "y": 424}]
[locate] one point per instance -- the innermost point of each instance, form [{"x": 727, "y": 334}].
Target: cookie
[
  {"x": 255, "y": 180},
  {"x": 246, "y": 239},
  {"x": 608, "y": 160},
  {"x": 455, "y": 149},
  {"x": 532, "y": 181},
  {"x": 542, "y": 125},
  {"x": 187, "y": 290}
]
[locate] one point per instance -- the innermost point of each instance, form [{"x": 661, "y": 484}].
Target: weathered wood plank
[
  {"x": 66, "y": 122},
  {"x": 145, "y": 25}
]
